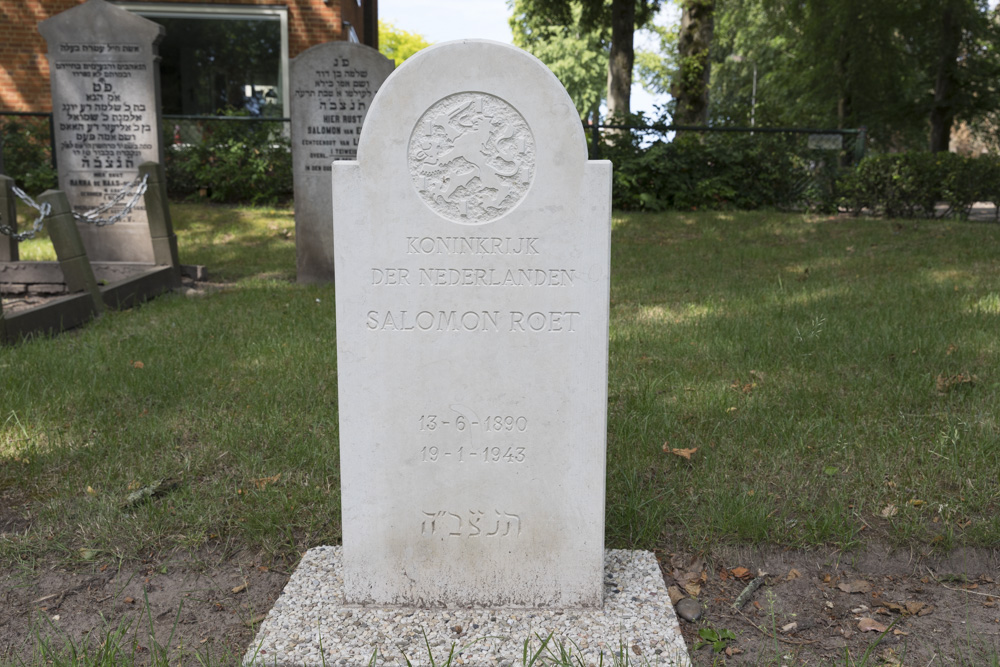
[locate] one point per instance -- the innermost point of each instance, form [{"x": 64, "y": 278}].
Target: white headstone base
[{"x": 310, "y": 613}]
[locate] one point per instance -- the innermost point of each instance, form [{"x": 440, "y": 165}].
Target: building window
[
  {"x": 352, "y": 34},
  {"x": 218, "y": 59}
]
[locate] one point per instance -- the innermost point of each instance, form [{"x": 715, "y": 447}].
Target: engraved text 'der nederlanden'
[{"x": 472, "y": 157}]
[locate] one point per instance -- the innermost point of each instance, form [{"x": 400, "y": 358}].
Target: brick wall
[{"x": 24, "y": 68}]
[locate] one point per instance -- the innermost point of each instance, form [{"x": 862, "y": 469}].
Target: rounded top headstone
[
  {"x": 97, "y": 20},
  {"x": 475, "y": 128}
]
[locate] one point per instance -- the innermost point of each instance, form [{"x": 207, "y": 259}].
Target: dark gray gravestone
[
  {"x": 332, "y": 87},
  {"x": 105, "y": 78}
]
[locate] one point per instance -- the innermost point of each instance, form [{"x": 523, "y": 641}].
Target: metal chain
[
  {"x": 43, "y": 211},
  {"x": 93, "y": 216}
]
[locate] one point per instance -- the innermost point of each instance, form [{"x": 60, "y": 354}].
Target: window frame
[{"x": 177, "y": 10}]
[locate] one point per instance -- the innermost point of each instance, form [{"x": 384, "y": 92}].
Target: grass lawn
[
  {"x": 775, "y": 379},
  {"x": 836, "y": 377}
]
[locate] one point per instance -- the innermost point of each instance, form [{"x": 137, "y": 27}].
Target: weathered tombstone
[
  {"x": 105, "y": 79},
  {"x": 332, "y": 87},
  {"x": 472, "y": 258}
]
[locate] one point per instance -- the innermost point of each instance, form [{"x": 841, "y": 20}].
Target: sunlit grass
[{"x": 825, "y": 370}]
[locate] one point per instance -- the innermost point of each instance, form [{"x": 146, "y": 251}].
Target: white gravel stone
[{"x": 637, "y": 617}]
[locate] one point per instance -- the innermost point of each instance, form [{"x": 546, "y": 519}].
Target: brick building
[{"x": 217, "y": 54}]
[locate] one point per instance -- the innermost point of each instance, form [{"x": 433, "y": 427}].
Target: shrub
[
  {"x": 234, "y": 161},
  {"x": 718, "y": 171},
  {"x": 908, "y": 185},
  {"x": 27, "y": 152}
]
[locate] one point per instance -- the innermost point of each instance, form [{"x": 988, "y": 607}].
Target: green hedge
[
  {"x": 27, "y": 153},
  {"x": 230, "y": 161},
  {"x": 720, "y": 171},
  {"x": 909, "y": 185}
]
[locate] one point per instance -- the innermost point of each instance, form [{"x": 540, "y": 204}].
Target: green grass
[
  {"x": 812, "y": 397},
  {"x": 801, "y": 356}
]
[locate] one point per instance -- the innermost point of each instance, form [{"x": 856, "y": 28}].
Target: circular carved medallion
[{"x": 471, "y": 157}]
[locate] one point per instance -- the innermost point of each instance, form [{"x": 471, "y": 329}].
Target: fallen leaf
[
  {"x": 683, "y": 453},
  {"x": 255, "y": 620},
  {"x": 856, "y": 586},
  {"x": 741, "y": 572},
  {"x": 732, "y": 409},
  {"x": 916, "y": 502},
  {"x": 946, "y": 383},
  {"x": 239, "y": 589},
  {"x": 138, "y": 364},
  {"x": 129, "y": 600},
  {"x": 157, "y": 488},
  {"x": 791, "y": 627},
  {"x": 793, "y": 574},
  {"x": 264, "y": 481},
  {"x": 88, "y": 554},
  {"x": 899, "y": 632},
  {"x": 90, "y": 491},
  {"x": 889, "y": 658},
  {"x": 898, "y": 608},
  {"x": 732, "y": 650},
  {"x": 693, "y": 589},
  {"x": 888, "y": 511},
  {"x": 675, "y": 594},
  {"x": 870, "y": 625},
  {"x": 831, "y": 470},
  {"x": 926, "y": 610}
]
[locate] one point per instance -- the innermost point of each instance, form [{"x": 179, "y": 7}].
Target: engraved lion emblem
[{"x": 472, "y": 157}]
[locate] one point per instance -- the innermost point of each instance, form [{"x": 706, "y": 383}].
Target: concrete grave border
[{"x": 126, "y": 284}]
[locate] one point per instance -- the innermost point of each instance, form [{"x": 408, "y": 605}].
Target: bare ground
[
  {"x": 938, "y": 609},
  {"x": 208, "y": 605}
]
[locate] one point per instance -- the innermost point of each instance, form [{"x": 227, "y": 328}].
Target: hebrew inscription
[
  {"x": 338, "y": 96},
  {"x": 104, "y": 74},
  {"x": 475, "y": 523},
  {"x": 472, "y": 157}
]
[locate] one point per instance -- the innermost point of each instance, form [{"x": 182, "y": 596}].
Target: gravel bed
[{"x": 310, "y": 616}]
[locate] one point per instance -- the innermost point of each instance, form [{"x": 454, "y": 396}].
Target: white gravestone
[
  {"x": 472, "y": 249},
  {"x": 332, "y": 87},
  {"x": 105, "y": 78}
]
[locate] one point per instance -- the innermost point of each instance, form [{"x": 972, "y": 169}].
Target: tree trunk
[
  {"x": 622, "y": 58},
  {"x": 942, "y": 109},
  {"x": 690, "y": 88}
]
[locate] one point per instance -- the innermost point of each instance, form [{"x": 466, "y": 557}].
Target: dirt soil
[
  {"x": 937, "y": 609},
  {"x": 209, "y": 604},
  {"x": 816, "y": 607}
]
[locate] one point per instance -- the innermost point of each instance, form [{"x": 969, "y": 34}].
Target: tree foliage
[
  {"x": 907, "y": 70},
  {"x": 577, "y": 56},
  {"x": 611, "y": 22},
  {"x": 694, "y": 65},
  {"x": 398, "y": 44}
]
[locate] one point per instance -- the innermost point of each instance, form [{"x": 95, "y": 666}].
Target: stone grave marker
[
  {"x": 472, "y": 255},
  {"x": 105, "y": 79},
  {"x": 472, "y": 249},
  {"x": 332, "y": 87}
]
